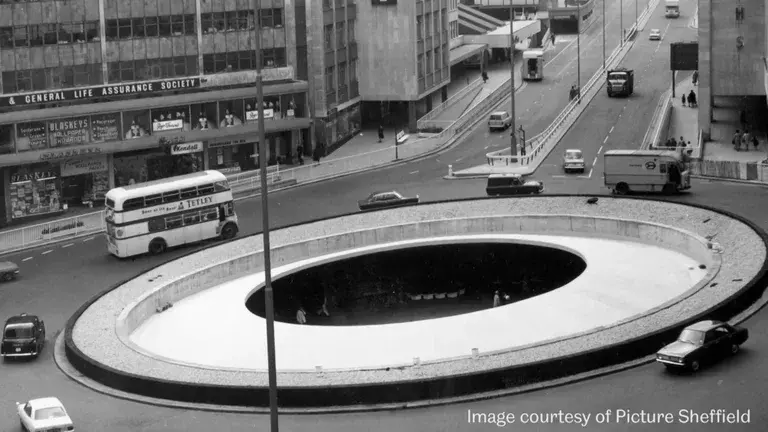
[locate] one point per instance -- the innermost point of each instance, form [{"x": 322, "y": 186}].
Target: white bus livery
[{"x": 153, "y": 216}]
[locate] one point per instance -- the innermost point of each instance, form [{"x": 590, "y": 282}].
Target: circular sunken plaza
[{"x": 639, "y": 269}]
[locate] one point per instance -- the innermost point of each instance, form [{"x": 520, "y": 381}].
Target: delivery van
[{"x": 645, "y": 171}]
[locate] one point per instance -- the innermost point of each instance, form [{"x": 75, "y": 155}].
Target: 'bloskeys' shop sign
[{"x": 81, "y": 93}]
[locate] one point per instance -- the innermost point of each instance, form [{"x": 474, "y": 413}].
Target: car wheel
[
  {"x": 734, "y": 349},
  {"x": 157, "y": 246},
  {"x": 6, "y": 277},
  {"x": 695, "y": 366},
  {"x": 668, "y": 189},
  {"x": 622, "y": 188},
  {"x": 229, "y": 231}
]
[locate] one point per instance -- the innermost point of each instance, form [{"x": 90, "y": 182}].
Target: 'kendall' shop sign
[{"x": 100, "y": 91}]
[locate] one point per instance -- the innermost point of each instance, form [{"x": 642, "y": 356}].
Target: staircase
[{"x": 474, "y": 20}]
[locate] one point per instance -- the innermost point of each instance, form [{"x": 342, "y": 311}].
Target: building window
[
  {"x": 165, "y": 26},
  {"x": 234, "y": 61},
  {"x": 137, "y": 27},
  {"x": 421, "y": 65},
  {"x": 36, "y": 35},
  {"x": 274, "y": 57},
  {"x": 6, "y": 37},
  {"x": 20, "y": 36},
  {"x": 340, "y": 42},
  {"x": 326, "y": 4},
  {"x": 430, "y": 62},
  {"x": 419, "y": 28},
  {"x": 427, "y": 25},
  {"x": 353, "y": 70},
  {"x": 329, "y": 80},
  {"x": 151, "y": 26},
  {"x": 171, "y": 25},
  {"x": 328, "y": 37},
  {"x": 342, "y": 74},
  {"x": 351, "y": 37},
  {"x": 271, "y": 17},
  {"x": 245, "y": 20},
  {"x": 436, "y": 26}
]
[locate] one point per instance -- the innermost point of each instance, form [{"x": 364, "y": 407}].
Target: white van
[{"x": 645, "y": 171}]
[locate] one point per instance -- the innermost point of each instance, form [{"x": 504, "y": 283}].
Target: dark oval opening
[{"x": 379, "y": 288}]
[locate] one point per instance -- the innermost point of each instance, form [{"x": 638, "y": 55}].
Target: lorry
[
  {"x": 628, "y": 171},
  {"x": 533, "y": 65},
  {"x": 672, "y": 9},
  {"x": 620, "y": 82}
]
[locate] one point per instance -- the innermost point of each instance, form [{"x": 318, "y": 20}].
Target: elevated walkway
[{"x": 476, "y": 21}]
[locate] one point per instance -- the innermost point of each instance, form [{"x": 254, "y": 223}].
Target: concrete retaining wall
[{"x": 183, "y": 286}]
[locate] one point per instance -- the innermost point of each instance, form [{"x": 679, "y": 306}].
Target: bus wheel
[
  {"x": 668, "y": 189},
  {"x": 229, "y": 231},
  {"x": 622, "y": 188},
  {"x": 157, "y": 246}
]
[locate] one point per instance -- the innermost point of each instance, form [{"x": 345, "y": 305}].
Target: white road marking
[
  {"x": 89, "y": 239},
  {"x": 27, "y": 259},
  {"x": 485, "y": 148},
  {"x": 600, "y": 150},
  {"x": 68, "y": 245},
  {"x": 415, "y": 172},
  {"x": 559, "y": 176},
  {"x": 459, "y": 159},
  {"x": 605, "y": 140},
  {"x": 47, "y": 252},
  {"x": 594, "y": 162},
  {"x": 611, "y": 131}
]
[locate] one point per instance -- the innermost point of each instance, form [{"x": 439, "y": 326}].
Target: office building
[{"x": 102, "y": 93}]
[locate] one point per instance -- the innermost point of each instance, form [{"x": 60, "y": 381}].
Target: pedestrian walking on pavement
[
  {"x": 683, "y": 99},
  {"x": 736, "y": 141},
  {"x": 692, "y": 99},
  {"x": 695, "y": 77},
  {"x": 496, "y": 299},
  {"x": 746, "y": 140},
  {"x": 300, "y": 154},
  {"x": 485, "y": 77},
  {"x": 381, "y": 133},
  {"x": 755, "y": 142}
]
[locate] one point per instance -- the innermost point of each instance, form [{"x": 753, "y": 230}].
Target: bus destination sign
[
  {"x": 128, "y": 89},
  {"x": 178, "y": 206}
]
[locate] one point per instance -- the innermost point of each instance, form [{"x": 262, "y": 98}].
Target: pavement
[{"x": 56, "y": 283}]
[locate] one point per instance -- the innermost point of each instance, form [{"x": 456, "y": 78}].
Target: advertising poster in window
[
  {"x": 34, "y": 192},
  {"x": 31, "y": 136},
  {"x": 69, "y": 132},
  {"x": 105, "y": 127}
]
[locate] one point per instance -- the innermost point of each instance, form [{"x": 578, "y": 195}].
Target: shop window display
[
  {"x": 68, "y": 132},
  {"x": 294, "y": 104},
  {"x": 6, "y": 139},
  {"x": 204, "y": 116},
  {"x": 84, "y": 181},
  {"x": 144, "y": 166},
  {"x": 271, "y": 109},
  {"x": 136, "y": 124},
  {"x": 105, "y": 127},
  {"x": 171, "y": 119},
  {"x": 231, "y": 113},
  {"x": 35, "y": 190},
  {"x": 31, "y": 136}
]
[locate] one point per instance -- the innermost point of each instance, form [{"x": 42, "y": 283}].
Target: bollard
[
  {"x": 319, "y": 369},
  {"x": 475, "y": 353},
  {"x": 450, "y": 170},
  {"x": 416, "y": 361}
]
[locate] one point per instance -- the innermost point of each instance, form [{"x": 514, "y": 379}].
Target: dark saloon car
[
  {"x": 379, "y": 200},
  {"x": 23, "y": 336},
  {"x": 8, "y": 271},
  {"x": 512, "y": 184},
  {"x": 703, "y": 342}
]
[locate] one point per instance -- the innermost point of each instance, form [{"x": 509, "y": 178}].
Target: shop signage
[
  {"x": 230, "y": 142},
  {"x": 246, "y": 77},
  {"x": 70, "y": 152},
  {"x": 177, "y": 207},
  {"x": 254, "y": 115},
  {"x": 68, "y": 132},
  {"x": 32, "y": 136},
  {"x": 87, "y": 165},
  {"x": 105, "y": 127},
  {"x": 169, "y": 141},
  {"x": 100, "y": 91},
  {"x": 34, "y": 175},
  {"x": 290, "y": 113},
  {"x": 186, "y": 148},
  {"x": 167, "y": 125}
]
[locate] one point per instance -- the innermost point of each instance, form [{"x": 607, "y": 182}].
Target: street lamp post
[
  {"x": 637, "y": 15},
  {"x": 621, "y": 20},
  {"x": 578, "y": 51},
  {"x": 269, "y": 306},
  {"x": 512, "y": 138},
  {"x": 603, "y": 34}
]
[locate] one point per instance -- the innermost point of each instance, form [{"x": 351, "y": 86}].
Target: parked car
[
  {"x": 499, "y": 120},
  {"x": 512, "y": 184},
  {"x": 23, "y": 336},
  {"x": 44, "y": 415},
  {"x": 379, "y": 200},
  {"x": 655, "y": 35},
  {"x": 573, "y": 160},
  {"x": 8, "y": 271},
  {"x": 703, "y": 342}
]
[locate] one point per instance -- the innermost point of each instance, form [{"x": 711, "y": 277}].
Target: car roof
[
  {"x": 499, "y": 113},
  {"x": 655, "y": 30},
  {"x": 504, "y": 175},
  {"x": 47, "y": 402},
  {"x": 704, "y": 325},
  {"x": 8, "y": 265},
  {"x": 21, "y": 319},
  {"x": 573, "y": 150}
]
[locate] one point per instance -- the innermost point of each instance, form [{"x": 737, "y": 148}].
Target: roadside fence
[{"x": 425, "y": 121}]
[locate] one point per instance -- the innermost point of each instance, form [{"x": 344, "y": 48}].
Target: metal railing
[
  {"x": 40, "y": 234},
  {"x": 422, "y": 122},
  {"x": 273, "y": 172}
]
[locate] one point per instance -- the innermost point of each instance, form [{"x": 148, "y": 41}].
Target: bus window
[
  {"x": 192, "y": 218},
  {"x": 110, "y": 203},
  {"x": 133, "y": 204},
  {"x": 173, "y": 222},
  {"x": 156, "y": 225},
  {"x": 171, "y": 196},
  {"x": 230, "y": 206},
  {"x": 210, "y": 215},
  {"x": 189, "y": 193},
  {"x": 221, "y": 186},
  {"x": 153, "y": 200},
  {"x": 205, "y": 190},
  {"x": 663, "y": 168}
]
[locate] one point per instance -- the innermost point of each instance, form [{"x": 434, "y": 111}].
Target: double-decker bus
[{"x": 153, "y": 216}]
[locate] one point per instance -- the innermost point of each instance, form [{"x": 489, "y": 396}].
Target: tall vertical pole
[
  {"x": 637, "y": 16},
  {"x": 269, "y": 306},
  {"x": 578, "y": 50},
  {"x": 603, "y": 34},
  {"x": 621, "y": 20},
  {"x": 310, "y": 145},
  {"x": 512, "y": 136}
]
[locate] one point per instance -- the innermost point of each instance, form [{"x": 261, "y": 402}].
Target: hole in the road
[{"x": 419, "y": 283}]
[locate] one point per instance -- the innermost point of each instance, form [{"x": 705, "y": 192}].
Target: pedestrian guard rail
[
  {"x": 426, "y": 120},
  {"x": 655, "y": 136},
  {"x": 539, "y": 143}
]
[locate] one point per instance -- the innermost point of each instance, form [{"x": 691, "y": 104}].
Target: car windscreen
[
  {"x": 19, "y": 332},
  {"x": 617, "y": 76},
  {"x": 573, "y": 155},
  {"x": 496, "y": 117},
  {"x": 49, "y": 413},
  {"x": 692, "y": 336}
]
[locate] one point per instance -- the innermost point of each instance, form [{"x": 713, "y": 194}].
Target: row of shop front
[{"x": 60, "y": 182}]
